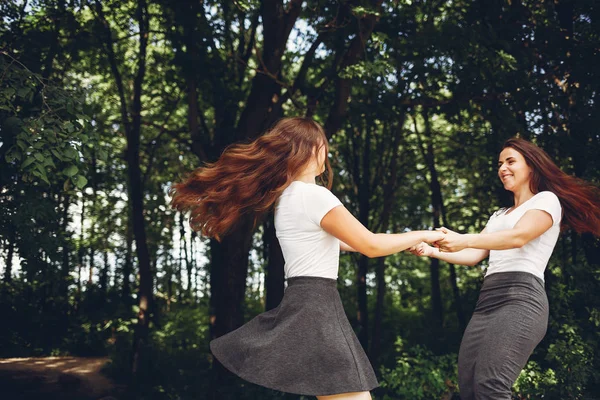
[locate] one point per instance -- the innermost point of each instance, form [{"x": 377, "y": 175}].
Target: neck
[
  {"x": 306, "y": 178},
  {"x": 522, "y": 194},
  {"x": 308, "y": 174}
]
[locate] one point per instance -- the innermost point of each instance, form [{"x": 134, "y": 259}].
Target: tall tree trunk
[
  {"x": 353, "y": 55},
  {"x": 128, "y": 265},
  {"x": 103, "y": 279},
  {"x": 274, "y": 277},
  {"x": 229, "y": 270},
  {"x": 80, "y": 252},
  {"x": 363, "y": 179},
  {"x": 134, "y": 173},
  {"x": 9, "y": 256},
  {"x": 94, "y": 182},
  {"x": 389, "y": 190},
  {"x": 66, "y": 248},
  {"x": 436, "y": 202},
  {"x": 137, "y": 197}
]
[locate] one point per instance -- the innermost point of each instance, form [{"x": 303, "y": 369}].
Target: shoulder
[
  {"x": 548, "y": 197},
  {"x": 312, "y": 188},
  {"x": 547, "y": 194}
]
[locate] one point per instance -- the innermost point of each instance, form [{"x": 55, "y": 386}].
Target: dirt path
[{"x": 48, "y": 378}]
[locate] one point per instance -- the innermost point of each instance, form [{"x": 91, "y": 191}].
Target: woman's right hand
[
  {"x": 422, "y": 249},
  {"x": 433, "y": 236}
]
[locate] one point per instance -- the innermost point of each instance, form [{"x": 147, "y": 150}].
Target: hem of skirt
[{"x": 292, "y": 391}]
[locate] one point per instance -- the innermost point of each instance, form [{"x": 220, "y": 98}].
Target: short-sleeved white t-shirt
[
  {"x": 307, "y": 249},
  {"x": 533, "y": 256}
]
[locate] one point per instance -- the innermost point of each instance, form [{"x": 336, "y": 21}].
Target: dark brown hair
[
  {"x": 579, "y": 199},
  {"x": 248, "y": 178}
]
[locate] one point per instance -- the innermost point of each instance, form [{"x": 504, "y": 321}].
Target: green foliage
[
  {"x": 367, "y": 69},
  {"x": 176, "y": 363},
  {"x": 474, "y": 73},
  {"x": 45, "y": 129},
  {"x": 419, "y": 374},
  {"x": 573, "y": 359},
  {"x": 535, "y": 383}
]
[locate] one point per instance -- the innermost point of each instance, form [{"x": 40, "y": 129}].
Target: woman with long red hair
[
  {"x": 511, "y": 315},
  {"x": 306, "y": 345}
]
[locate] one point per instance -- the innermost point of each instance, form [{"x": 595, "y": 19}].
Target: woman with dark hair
[
  {"x": 511, "y": 315},
  {"x": 306, "y": 345}
]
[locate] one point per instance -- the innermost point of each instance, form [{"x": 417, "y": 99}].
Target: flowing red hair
[
  {"x": 249, "y": 177},
  {"x": 580, "y": 200}
]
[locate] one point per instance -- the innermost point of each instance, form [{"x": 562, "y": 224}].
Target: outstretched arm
[
  {"x": 345, "y": 247},
  {"x": 340, "y": 223},
  {"x": 531, "y": 225},
  {"x": 467, "y": 256}
]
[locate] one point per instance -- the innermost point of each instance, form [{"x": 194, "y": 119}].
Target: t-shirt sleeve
[
  {"x": 548, "y": 201},
  {"x": 318, "y": 201}
]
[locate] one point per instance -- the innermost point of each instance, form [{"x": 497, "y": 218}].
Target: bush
[{"x": 419, "y": 374}]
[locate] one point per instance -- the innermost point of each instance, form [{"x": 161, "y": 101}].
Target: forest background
[{"x": 104, "y": 104}]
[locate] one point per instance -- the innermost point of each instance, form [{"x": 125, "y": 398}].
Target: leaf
[
  {"x": 71, "y": 170},
  {"x": 24, "y": 92},
  {"x": 41, "y": 175},
  {"x": 28, "y": 162},
  {"x": 69, "y": 126},
  {"x": 70, "y": 153},
  {"x": 39, "y": 157},
  {"x": 57, "y": 154},
  {"x": 102, "y": 155},
  {"x": 13, "y": 155},
  {"x": 48, "y": 162},
  {"x": 80, "y": 181}
]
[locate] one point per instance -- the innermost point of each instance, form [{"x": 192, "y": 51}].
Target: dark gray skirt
[
  {"x": 304, "y": 346},
  {"x": 510, "y": 319}
]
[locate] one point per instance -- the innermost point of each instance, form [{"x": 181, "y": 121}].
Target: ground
[{"x": 49, "y": 378}]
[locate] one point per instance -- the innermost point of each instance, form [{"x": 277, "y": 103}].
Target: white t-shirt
[
  {"x": 533, "y": 256},
  {"x": 307, "y": 249}
]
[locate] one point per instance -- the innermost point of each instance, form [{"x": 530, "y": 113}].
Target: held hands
[
  {"x": 449, "y": 242},
  {"x": 452, "y": 241},
  {"x": 423, "y": 249}
]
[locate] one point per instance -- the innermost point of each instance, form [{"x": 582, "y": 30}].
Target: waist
[
  {"x": 512, "y": 279},
  {"x": 311, "y": 280}
]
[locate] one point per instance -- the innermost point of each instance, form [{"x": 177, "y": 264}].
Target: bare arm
[
  {"x": 340, "y": 223},
  {"x": 345, "y": 247},
  {"x": 531, "y": 225},
  {"x": 466, "y": 256}
]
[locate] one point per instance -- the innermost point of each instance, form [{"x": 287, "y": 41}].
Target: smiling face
[{"x": 513, "y": 170}]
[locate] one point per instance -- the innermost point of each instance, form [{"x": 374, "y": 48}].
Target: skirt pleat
[{"x": 304, "y": 346}]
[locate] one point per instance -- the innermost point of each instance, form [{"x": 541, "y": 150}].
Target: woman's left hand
[{"x": 452, "y": 242}]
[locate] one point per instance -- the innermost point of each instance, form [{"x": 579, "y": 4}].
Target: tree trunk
[
  {"x": 9, "y": 256},
  {"x": 229, "y": 270},
  {"x": 389, "y": 190},
  {"x": 128, "y": 265},
  {"x": 437, "y": 204},
  {"x": 64, "y": 285},
  {"x": 137, "y": 198},
  {"x": 274, "y": 277},
  {"x": 355, "y": 53},
  {"x": 134, "y": 173}
]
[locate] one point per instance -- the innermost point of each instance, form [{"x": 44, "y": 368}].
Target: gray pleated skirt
[
  {"x": 304, "y": 346},
  {"x": 510, "y": 319}
]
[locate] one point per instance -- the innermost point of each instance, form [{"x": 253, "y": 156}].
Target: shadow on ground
[{"x": 53, "y": 378}]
